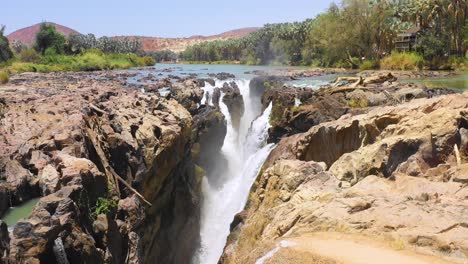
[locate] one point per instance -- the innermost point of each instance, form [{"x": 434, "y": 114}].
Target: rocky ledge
[
  {"x": 114, "y": 168},
  {"x": 296, "y": 110},
  {"x": 396, "y": 173}
]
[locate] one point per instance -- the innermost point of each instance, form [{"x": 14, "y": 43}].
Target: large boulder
[
  {"x": 235, "y": 103},
  {"x": 188, "y": 94},
  {"x": 259, "y": 85},
  {"x": 210, "y": 130},
  {"x": 20, "y": 182}
]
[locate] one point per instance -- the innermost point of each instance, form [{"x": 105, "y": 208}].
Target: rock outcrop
[
  {"x": 188, "y": 93},
  {"x": 209, "y": 132},
  {"x": 234, "y": 101},
  {"x": 355, "y": 95},
  {"x": 114, "y": 166},
  {"x": 390, "y": 173}
]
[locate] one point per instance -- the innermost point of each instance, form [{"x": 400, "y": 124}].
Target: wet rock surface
[
  {"x": 234, "y": 101},
  {"x": 222, "y": 76},
  {"x": 209, "y": 132}
]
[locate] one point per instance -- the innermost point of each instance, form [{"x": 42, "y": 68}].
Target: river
[{"x": 245, "y": 150}]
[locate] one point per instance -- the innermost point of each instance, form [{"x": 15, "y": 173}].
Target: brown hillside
[
  {"x": 180, "y": 44},
  {"x": 27, "y": 35}
]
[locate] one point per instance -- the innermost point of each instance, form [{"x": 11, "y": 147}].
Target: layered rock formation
[
  {"x": 114, "y": 167},
  {"x": 390, "y": 173},
  {"x": 234, "y": 101},
  {"x": 296, "y": 110}
]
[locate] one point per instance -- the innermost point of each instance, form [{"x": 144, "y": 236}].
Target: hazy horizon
[{"x": 146, "y": 18}]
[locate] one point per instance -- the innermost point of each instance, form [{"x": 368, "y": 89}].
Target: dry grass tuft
[{"x": 290, "y": 256}]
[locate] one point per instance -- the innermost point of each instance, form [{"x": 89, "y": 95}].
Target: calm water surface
[
  {"x": 459, "y": 82},
  {"x": 14, "y": 214}
]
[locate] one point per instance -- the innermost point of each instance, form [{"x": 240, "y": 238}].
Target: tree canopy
[
  {"x": 347, "y": 33},
  {"x": 5, "y": 51},
  {"x": 49, "y": 38}
]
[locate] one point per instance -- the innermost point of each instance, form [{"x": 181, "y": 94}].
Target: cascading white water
[
  {"x": 208, "y": 91},
  {"x": 245, "y": 151}
]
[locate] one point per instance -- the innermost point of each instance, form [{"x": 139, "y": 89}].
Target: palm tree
[{"x": 458, "y": 11}]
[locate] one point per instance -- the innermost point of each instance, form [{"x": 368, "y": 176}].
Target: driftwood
[
  {"x": 340, "y": 80},
  {"x": 97, "y": 109},
  {"x": 109, "y": 171},
  {"x": 347, "y": 89},
  {"x": 457, "y": 154},
  {"x": 381, "y": 78},
  {"x": 348, "y": 84}
]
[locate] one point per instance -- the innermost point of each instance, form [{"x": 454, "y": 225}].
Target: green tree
[
  {"x": 458, "y": 11},
  {"x": 48, "y": 37},
  {"x": 5, "y": 51},
  {"x": 433, "y": 46}
]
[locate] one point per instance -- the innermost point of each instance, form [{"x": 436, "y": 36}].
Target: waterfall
[
  {"x": 246, "y": 151},
  {"x": 208, "y": 93},
  {"x": 59, "y": 251}
]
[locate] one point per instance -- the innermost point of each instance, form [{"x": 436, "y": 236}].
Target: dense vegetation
[
  {"x": 356, "y": 33},
  {"x": 5, "y": 51},
  {"x": 161, "y": 56},
  {"x": 52, "y": 52}
]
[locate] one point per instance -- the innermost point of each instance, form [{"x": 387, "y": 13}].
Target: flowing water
[{"x": 245, "y": 151}]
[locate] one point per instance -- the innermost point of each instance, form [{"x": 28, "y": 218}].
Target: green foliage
[
  {"x": 402, "y": 61},
  {"x": 433, "y": 45},
  {"x": 358, "y": 103},
  {"x": 5, "y": 51},
  {"x": 4, "y": 77},
  {"x": 29, "y": 55},
  {"x": 148, "y": 61},
  {"x": 368, "y": 65},
  {"x": 91, "y": 60},
  {"x": 18, "y": 46},
  {"x": 104, "y": 206},
  {"x": 49, "y": 38},
  {"x": 80, "y": 43},
  {"x": 346, "y": 33},
  {"x": 161, "y": 56},
  {"x": 465, "y": 33}
]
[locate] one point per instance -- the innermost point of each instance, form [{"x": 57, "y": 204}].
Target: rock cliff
[
  {"x": 389, "y": 172},
  {"x": 113, "y": 166}
]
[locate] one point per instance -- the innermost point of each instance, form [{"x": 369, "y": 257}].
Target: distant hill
[
  {"x": 27, "y": 35},
  {"x": 180, "y": 44}
]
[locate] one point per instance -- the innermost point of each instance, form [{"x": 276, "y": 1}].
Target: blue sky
[{"x": 170, "y": 18}]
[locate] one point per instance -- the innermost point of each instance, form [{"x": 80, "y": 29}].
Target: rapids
[{"x": 245, "y": 151}]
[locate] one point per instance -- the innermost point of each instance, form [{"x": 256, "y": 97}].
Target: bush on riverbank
[
  {"x": 91, "y": 60},
  {"x": 4, "y": 77},
  {"x": 53, "y": 52},
  {"x": 368, "y": 65},
  {"x": 402, "y": 61}
]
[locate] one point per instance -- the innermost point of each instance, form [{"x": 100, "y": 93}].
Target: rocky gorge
[
  {"x": 149, "y": 169},
  {"x": 364, "y": 157},
  {"x": 114, "y": 168}
]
